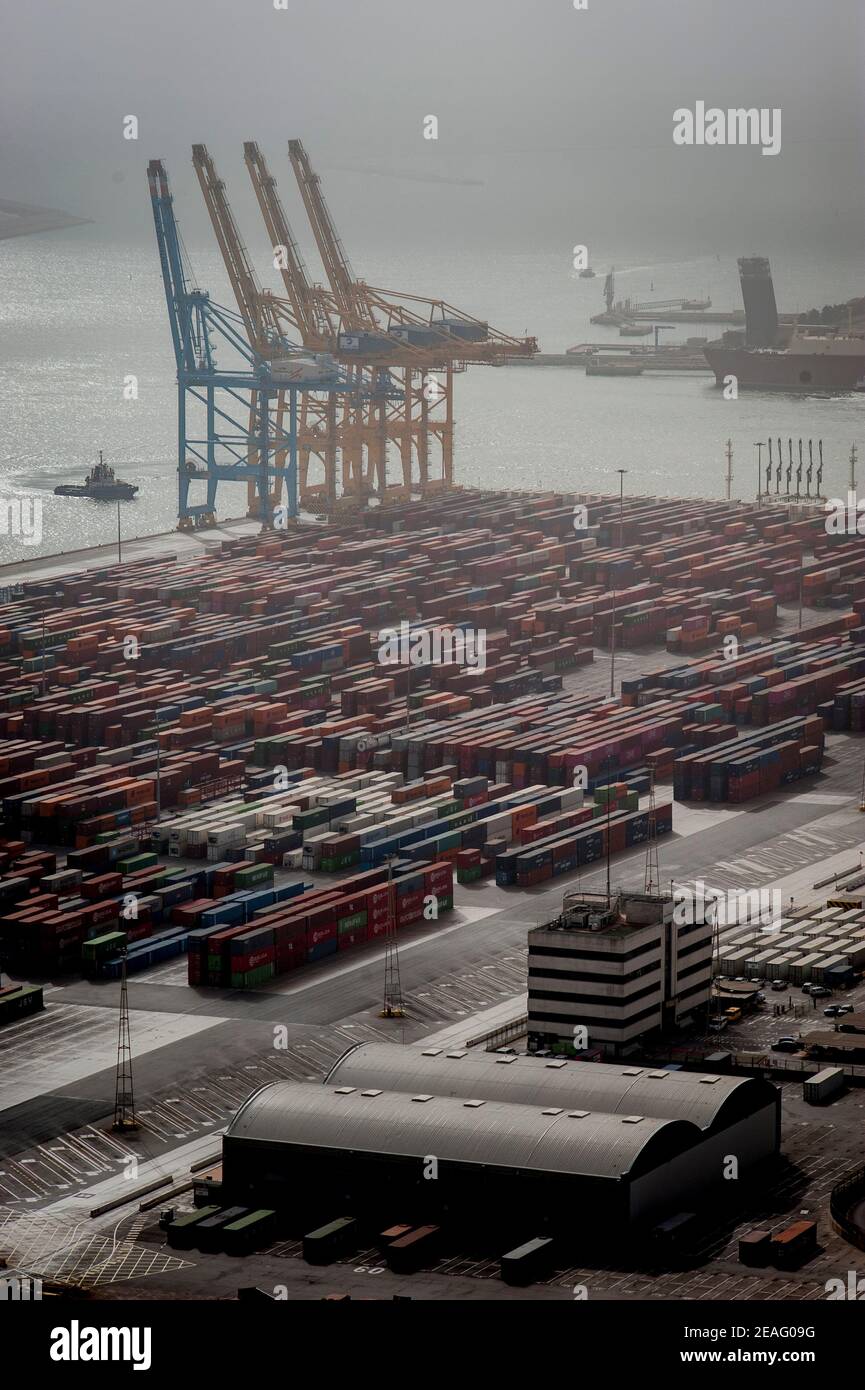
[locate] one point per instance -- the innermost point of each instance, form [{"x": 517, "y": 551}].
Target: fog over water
[{"x": 554, "y": 128}]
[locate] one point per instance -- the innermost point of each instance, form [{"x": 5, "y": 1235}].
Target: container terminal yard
[
  {"x": 264, "y": 803},
  {"x": 432, "y": 799}
]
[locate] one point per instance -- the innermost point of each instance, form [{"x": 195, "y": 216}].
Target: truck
[
  {"x": 527, "y": 1262},
  {"x": 327, "y": 1243},
  {"x": 824, "y": 1087}
]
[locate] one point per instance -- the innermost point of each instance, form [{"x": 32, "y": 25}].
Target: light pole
[
  {"x": 621, "y": 472},
  {"x": 613, "y": 649},
  {"x": 119, "y": 556},
  {"x": 759, "y": 447},
  {"x": 158, "y": 778},
  {"x": 57, "y": 594}
]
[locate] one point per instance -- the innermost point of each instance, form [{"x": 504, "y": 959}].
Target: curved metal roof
[
  {"x": 492, "y": 1133},
  {"x": 699, "y": 1097}
]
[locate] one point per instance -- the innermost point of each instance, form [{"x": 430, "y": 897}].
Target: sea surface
[{"x": 78, "y": 316}]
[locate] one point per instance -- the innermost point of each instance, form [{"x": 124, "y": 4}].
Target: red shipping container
[
  {"x": 264, "y": 956},
  {"x": 102, "y": 886},
  {"x": 321, "y": 931},
  {"x": 348, "y": 939}
]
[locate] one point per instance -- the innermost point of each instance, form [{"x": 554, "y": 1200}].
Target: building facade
[{"x": 606, "y": 977}]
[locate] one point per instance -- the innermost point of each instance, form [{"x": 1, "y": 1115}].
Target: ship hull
[
  {"x": 613, "y": 369},
  {"x": 119, "y": 492},
  {"x": 788, "y": 371}
]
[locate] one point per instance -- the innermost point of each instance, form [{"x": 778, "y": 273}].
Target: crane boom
[
  {"x": 354, "y": 307},
  {"x": 259, "y": 323},
  {"x": 171, "y": 262},
  {"x": 309, "y": 310}
]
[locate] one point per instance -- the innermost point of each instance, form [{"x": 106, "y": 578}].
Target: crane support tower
[{"x": 238, "y": 422}]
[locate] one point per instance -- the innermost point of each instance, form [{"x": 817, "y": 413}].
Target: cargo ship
[
  {"x": 99, "y": 483},
  {"x": 765, "y": 358}
]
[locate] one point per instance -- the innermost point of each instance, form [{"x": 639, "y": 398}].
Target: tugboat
[
  {"x": 99, "y": 483},
  {"x": 587, "y": 274}
]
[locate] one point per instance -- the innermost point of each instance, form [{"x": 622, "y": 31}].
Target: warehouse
[
  {"x": 338, "y": 1150},
  {"x": 575, "y": 1149},
  {"x": 715, "y": 1104}
]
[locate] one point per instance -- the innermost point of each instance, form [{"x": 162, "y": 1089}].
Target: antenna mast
[
  {"x": 653, "y": 872},
  {"x": 124, "y": 1100},
  {"x": 394, "y": 1006}
]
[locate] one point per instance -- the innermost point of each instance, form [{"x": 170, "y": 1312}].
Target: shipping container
[
  {"x": 529, "y": 1262},
  {"x": 19, "y": 1001},
  {"x": 825, "y": 1086},
  {"x": 418, "y": 1247},
  {"x": 755, "y": 1249},
  {"x": 795, "y": 1244},
  {"x": 328, "y": 1243},
  {"x": 181, "y": 1232},
  {"x": 250, "y": 1232},
  {"x": 208, "y": 1234}
]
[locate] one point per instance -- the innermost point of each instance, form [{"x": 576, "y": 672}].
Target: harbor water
[{"x": 86, "y": 363}]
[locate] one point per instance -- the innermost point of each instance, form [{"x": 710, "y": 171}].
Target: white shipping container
[
  {"x": 352, "y": 824},
  {"x": 572, "y": 798},
  {"x": 819, "y": 1089},
  {"x": 827, "y": 963}
]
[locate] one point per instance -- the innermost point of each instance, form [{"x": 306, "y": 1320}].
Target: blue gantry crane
[{"x": 230, "y": 417}]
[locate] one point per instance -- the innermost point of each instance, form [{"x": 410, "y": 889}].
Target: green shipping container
[
  {"x": 99, "y": 946},
  {"x": 136, "y": 862},
  {"x": 342, "y": 861},
  {"x": 248, "y": 979},
  {"x": 253, "y": 875},
  {"x": 18, "y": 1003},
  {"x": 357, "y": 919}
]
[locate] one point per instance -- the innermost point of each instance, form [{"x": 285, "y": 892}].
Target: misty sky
[{"x": 564, "y": 117}]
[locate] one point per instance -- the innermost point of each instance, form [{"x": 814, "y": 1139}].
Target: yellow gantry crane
[
  {"x": 316, "y": 319},
  {"x": 429, "y": 337},
  {"x": 406, "y": 422},
  {"x": 270, "y": 324},
  {"x": 399, "y": 351}
]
